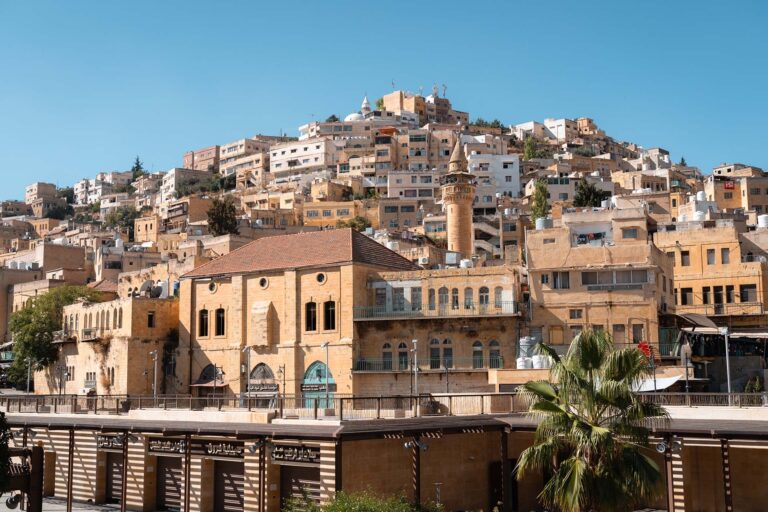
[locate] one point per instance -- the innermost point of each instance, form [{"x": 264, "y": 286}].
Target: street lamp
[
  {"x": 725, "y": 333},
  {"x": 415, "y": 367},
  {"x": 247, "y": 351},
  {"x": 281, "y": 373},
  {"x": 154, "y": 373},
  {"x": 325, "y": 346},
  {"x": 63, "y": 373}
]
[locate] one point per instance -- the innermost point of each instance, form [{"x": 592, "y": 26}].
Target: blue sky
[{"x": 86, "y": 86}]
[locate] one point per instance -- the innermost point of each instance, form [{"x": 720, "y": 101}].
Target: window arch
[
  {"x": 402, "y": 356},
  {"x": 483, "y": 296},
  {"x": 497, "y": 296},
  {"x": 310, "y": 316},
  {"x": 447, "y": 353},
  {"x": 386, "y": 356},
  {"x": 120, "y": 318},
  {"x": 329, "y": 315},
  {"x": 77, "y": 322},
  {"x": 114, "y": 319},
  {"x": 455, "y": 298},
  {"x": 494, "y": 354},
  {"x": 477, "y": 355},
  {"x": 431, "y": 298},
  {"x": 442, "y": 297},
  {"x": 202, "y": 323},
  {"x": 468, "y": 298},
  {"x": 220, "y": 322},
  {"x": 107, "y": 315},
  {"x": 434, "y": 353}
]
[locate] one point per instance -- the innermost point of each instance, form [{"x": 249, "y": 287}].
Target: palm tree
[{"x": 592, "y": 436}]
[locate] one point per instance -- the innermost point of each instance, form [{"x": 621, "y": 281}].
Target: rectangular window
[
  {"x": 710, "y": 256},
  {"x": 705, "y": 294},
  {"x": 725, "y": 255},
  {"x": 718, "y": 294},
  {"x": 629, "y": 232},
  {"x": 390, "y": 209},
  {"x": 343, "y": 212},
  {"x": 561, "y": 280},
  {"x": 686, "y": 296},
  {"x": 380, "y": 297},
  {"x": 748, "y": 293},
  {"x": 219, "y": 322},
  {"x": 729, "y": 295},
  {"x": 685, "y": 258},
  {"x": 327, "y": 213},
  {"x": 575, "y": 314},
  {"x": 310, "y": 316},
  {"x": 727, "y": 195},
  {"x": 544, "y": 278},
  {"x": 329, "y": 315},
  {"x": 202, "y": 323},
  {"x": 416, "y": 299},
  {"x": 638, "y": 332},
  {"x": 151, "y": 319},
  {"x": 619, "y": 333}
]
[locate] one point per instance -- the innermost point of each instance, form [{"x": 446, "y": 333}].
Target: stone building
[{"x": 458, "y": 192}]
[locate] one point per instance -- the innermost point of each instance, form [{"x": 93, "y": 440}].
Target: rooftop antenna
[
  {"x": 435, "y": 91},
  {"x": 421, "y": 90},
  {"x": 393, "y": 84},
  {"x": 445, "y": 89}
]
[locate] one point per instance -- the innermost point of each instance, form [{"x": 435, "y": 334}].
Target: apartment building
[
  {"x": 206, "y": 159},
  {"x": 11, "y": 208},
  {"x": 430, "y": 109},
  {"x": 179, "y": 214},
  {"x": 112, "y": 259},
  {"x": 176, "y": 179},
  {"x": 745, "y": 193},
  {"x": 737, "y": 170},
  {"x": 563, "y": 188},
  {"x": 719, "y": 271},
  {"x": 303, "y": 157},
  {"x": 598, "y": 269},
  {"x": 42, "y": 227},
  {"x": 147, "y": 228},
  {"x": 39, "y": 190},
  {"x": 244, "y": 155}
]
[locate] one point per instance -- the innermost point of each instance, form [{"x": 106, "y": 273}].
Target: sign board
[
  {"x": 295, "y": 455},
  {"x": 257, "y": 387},
  {"x": 172, "y": 446},
  {"x": 109, "y": 442},
  {"x": 319, "y": 387},
  {"x": 219, "y": 449}
]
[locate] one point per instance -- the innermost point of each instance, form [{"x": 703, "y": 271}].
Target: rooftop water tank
[
  {"x": 543, "y": 223},
  {"x": 701, "y": 196},
  {"x": 699, "y": 216},
  {"x": 605, "y": 203},
  {"x": 762, "y": 221},
  {"x": 526, "y": 346},
  {"x": 466, "y": 264}
]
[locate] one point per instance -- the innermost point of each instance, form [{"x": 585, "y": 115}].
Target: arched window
[
  {"x": 468, "y": 298},
  {"x": 402, "y": 356},
  {"x": 386, "y": 357},
  {"x": 455, "y": 298},
  {"x": 442, "y": 297},
  {"x": 107, "y": 315},
  {"x": 310, "y": 316},
  {"x": 447, "y": 353},
  {"x": 220, "y": 324},
  {"x": 329, "y": 315},
  {"x": 114, "y": 319},
  {"x": 77, "y": 322},
  {"x": 202, "y": 323},
  {"x": 120, "y": 318},
  {"x": 494, "y": 354},
  {"x": 497, "y": 296},
  {"x": 434, "y": 354},
  {"x": 71, "y": 322},
  {"x": 431, "y": 298},
  {"x": 477, "y": 355},
  {"x": 97, "y": 320},
  {"x": 483, "y": 296}
]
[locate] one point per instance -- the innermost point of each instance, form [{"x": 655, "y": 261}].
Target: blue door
[{"x": 313, "y": 386}]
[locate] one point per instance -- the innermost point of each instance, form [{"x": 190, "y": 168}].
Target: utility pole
[
  {"x": 29, "y": 371},
  {"x": 247, "y": 351},
  {"x": 154, "y": 374},
  {"x": 325, "y": 346},
  {"x": 415, "y": 367}
]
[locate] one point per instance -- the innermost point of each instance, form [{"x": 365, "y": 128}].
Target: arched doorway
[
  {"x": 314, "y": 386},
  {"x": 210, "y": 383},
  {"x": 262, "y": 386}
]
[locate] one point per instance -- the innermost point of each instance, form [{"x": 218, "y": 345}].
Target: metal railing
[
  {"x": 435, "y": 310},
  {"x": 395, "y": 364},
  {"x": 335, "y": 407},
  {"x": 728, "y": 309}
]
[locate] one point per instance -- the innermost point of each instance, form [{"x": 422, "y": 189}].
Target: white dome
[{"x": 354, "y": 116}]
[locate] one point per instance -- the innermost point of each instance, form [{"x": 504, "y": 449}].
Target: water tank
[
  {"x": 526, "y": 346},
  {"x": 524, "y": 363},
  {"x": 14, "y": 265},
  {"x": 701, "y": 196},
  {"x": 119, "y": 244},
  {"x": 699, "y": 216},
  {"x": 605, "y": 203},
  {"x": 543, "y": 223},
  {"x": 762, "y": 221},
  {"x": 539, "y": 362},
  {"x": 393, "y": 246},
  {"x": 682, "y": 218},
  {"x": 466, "y": 264},
  {"x": 507, "y": 211}
]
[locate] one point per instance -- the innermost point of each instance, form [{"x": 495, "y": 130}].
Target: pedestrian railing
[{"x": 338, "y": 407}]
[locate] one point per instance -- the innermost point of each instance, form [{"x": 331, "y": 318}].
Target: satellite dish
[
  {"x": 155, "y": 292},
  {"x": 145, "y": 287}
]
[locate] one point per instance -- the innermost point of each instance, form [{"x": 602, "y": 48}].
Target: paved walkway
[{"x": 57, "y": 505}]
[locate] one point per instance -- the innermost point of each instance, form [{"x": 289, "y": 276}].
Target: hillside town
[{"x": 406, "y": 249}]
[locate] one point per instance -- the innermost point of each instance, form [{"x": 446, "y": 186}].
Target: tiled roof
[
  {"x": 316, "y": 248},
  {"x": 105, "y": 285}
]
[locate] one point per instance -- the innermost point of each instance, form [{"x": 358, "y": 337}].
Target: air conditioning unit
[{"x": 424, "y": 260}]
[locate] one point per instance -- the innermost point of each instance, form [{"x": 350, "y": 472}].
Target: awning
[
  {"x": 661, "y": 383},
  {"x": 743, "y": 333},
  {"x": 698, "y": 320},
  {"x": 208, "y": 384},
  {"x": 6, "y": 345}
]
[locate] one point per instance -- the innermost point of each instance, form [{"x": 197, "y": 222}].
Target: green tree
[
  {"x": 587, "y": 194},
  {"x": 138, "y": 168},
  {"x": 68, "y": 193},
  {"x": 222, "y": 217},
  {"x": 122, "y": 218},
  {"x": 358, "y": 223},
  {"x": 333, "y": 118},
  {"x": 683, "y": 162},
  {"x": 59, "y": 212},
  {"x": 529, "y": 148},
  {"x": 592, "y": 436},
  {"x": 32, "y": 329},
  {"x": 380, "y": 104},
  {"x": 540, "y": 204}
]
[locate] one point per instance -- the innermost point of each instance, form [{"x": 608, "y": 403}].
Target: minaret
[
  {"x": 365, "y": 108},
  {"x": 458, "y": 189}
]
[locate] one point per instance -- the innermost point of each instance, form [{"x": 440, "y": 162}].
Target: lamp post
[
  {"x": 325, "y": 346},
  {"x": 154, "y": 373},
  {"x": 29, "y": 371},
  {"x": 726, "y": 335},
  {"x": 281, "y": 372},
  {"x": 247, "y": 351}
]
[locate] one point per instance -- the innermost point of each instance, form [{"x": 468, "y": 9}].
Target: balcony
[
  {"x": 732, "y": 309},
  {"x": 427, "y": 311},
  {"x": 433, "y": 365},
  {"x": 89, "y": 334},
  {"x": 614, "y": 286}
]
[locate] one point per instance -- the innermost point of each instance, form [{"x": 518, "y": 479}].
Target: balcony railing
[
  {"x": 6, "y": 355},
  {"x": 89, "y": 333},
  {"x": 731, "y": 309},
  {"x": 89, "y": 384},
  {"x": 505, "y": 308},
  {"x": 429, "y": 364}
]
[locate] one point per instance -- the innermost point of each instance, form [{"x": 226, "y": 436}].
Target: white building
[
  {"x": 502, "y": 170},
  {"x": 235, "y": 155},
  {"x": 178, "y": 177},
  {"x": 303, "y": 157}
]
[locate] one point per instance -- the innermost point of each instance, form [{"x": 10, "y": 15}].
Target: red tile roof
[
  {"x": 316, "y": 248},
  {"x": 105, "y": 285}
]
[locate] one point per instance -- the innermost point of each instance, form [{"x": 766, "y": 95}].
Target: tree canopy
[
  {"x": 222, "y": 217},
  {"x": 5, "y": 456},
  {"x": 587, "y": 194},
  {"x": 358, "y": 223},
  {"x": 122, "y": 218},
  {"x": 540, "y": 204},
  {"x": 32, "y": 328},
  {"x": 68, "y": 193},
  {"x": 488, "y": 124},
  {"x": 683, "y": 162},
  {"x": 592, "y": 436},
  {"x": 138, "y": 168},
  {"x": 333, "y": 118},
  {"x": 358, "y": 502}
]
